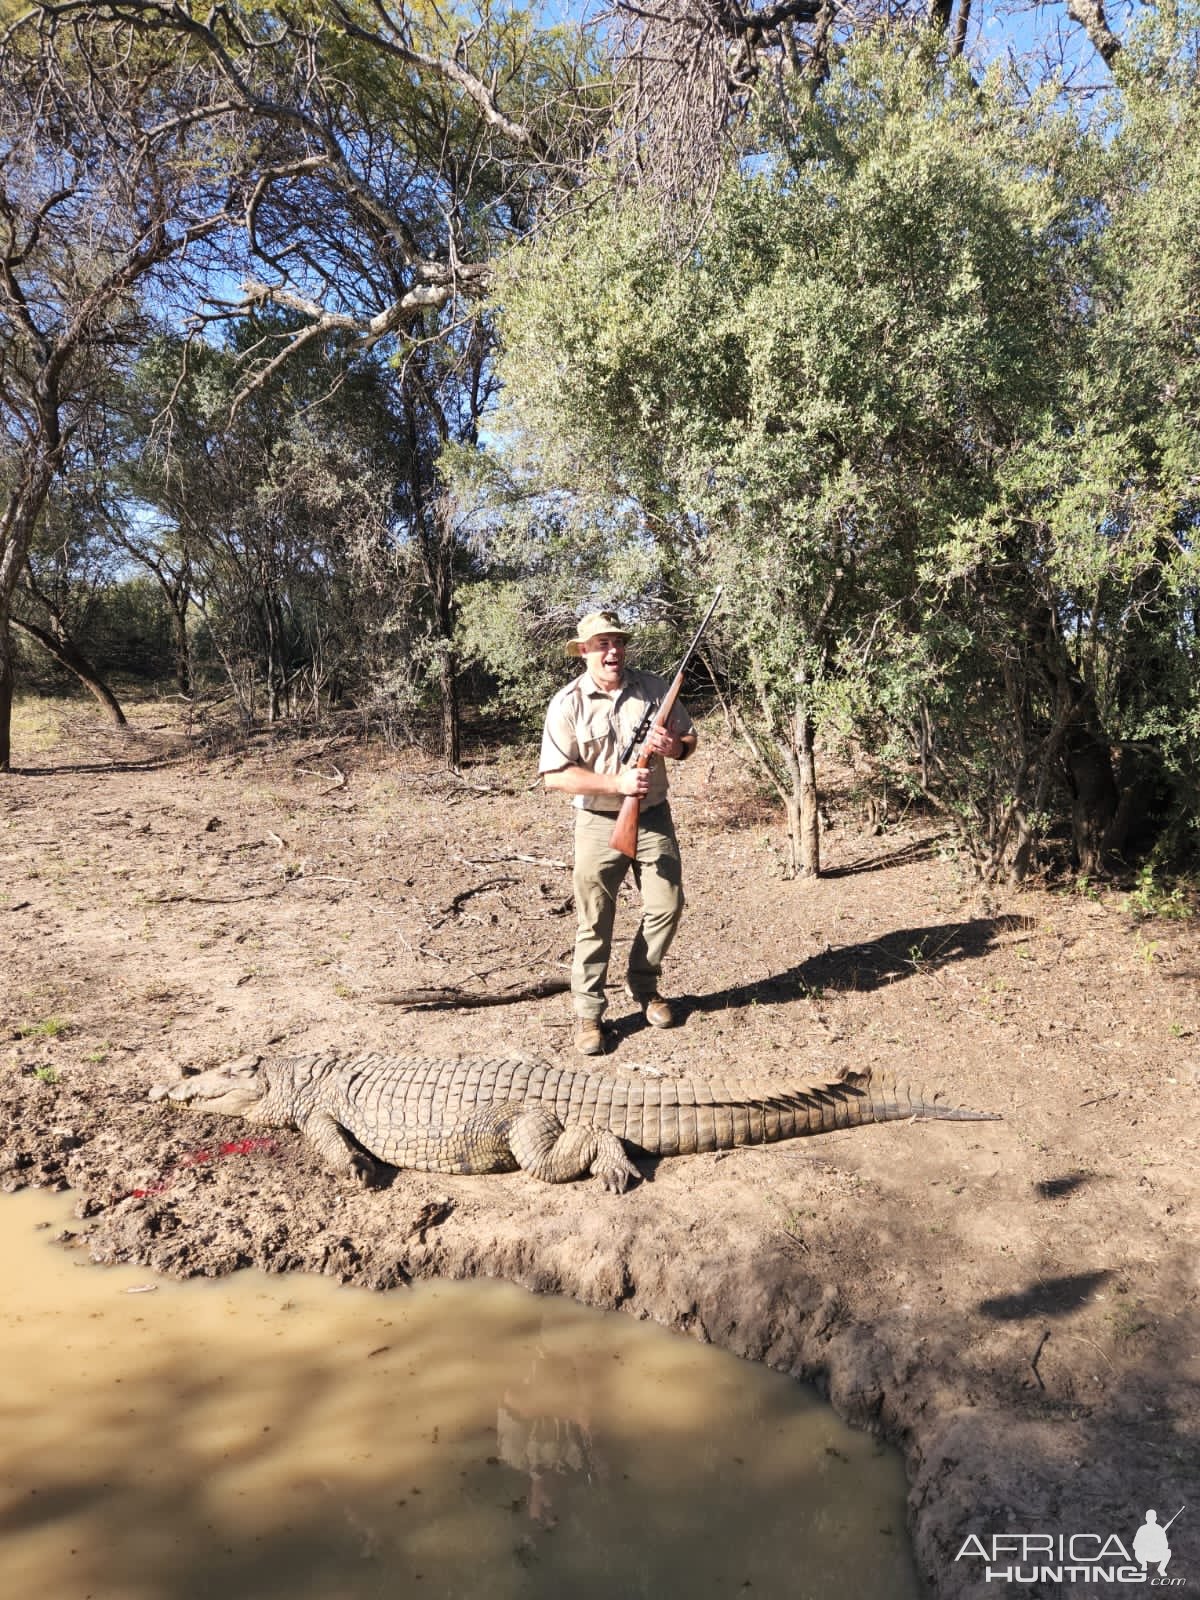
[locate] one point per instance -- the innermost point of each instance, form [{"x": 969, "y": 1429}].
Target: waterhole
[{"x": 257, "y": 1437}]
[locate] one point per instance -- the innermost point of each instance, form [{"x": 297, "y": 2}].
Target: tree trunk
[
  {"x": 451, "y": 723},
  {"x": 177, "y": 596},
  {"x": 958, "y": 42},
  {"x": 939, "y": 15},
  {"x": 791, "y": 807},
  {"x": 809, "y": 819},
  {"x": 802, "y": 804},
  {"x": 818, "y": 61},
  {"x": 268, "y": 616},
  {"x": 6, "y": 686},
  {"x": 439, "y": 567},
  {"x": 1089, "y": 14},
  {"x": 20, "y": 517},
  {"x": 183, "y": 652},
  {"x": 1085, "y": 751},
  {"x": 66, "y": 653},
  {"x": 1093, "y": 785}
]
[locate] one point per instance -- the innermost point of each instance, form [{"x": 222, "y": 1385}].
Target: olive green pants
[{"x": 599, "y": 873}]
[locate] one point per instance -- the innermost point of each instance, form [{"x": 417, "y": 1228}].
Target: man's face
[{"x": 605, "y": 657}]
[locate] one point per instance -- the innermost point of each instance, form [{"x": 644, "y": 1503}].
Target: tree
[
  {"x": 412, "y": 143},
  {"x": 1129, "y": 512},
  {"x": 822, "y": 388},
  {"x": 264, "y": 516},
  {"x": 67, "y": 573},
  {"x": 376, "y": 157},
  {"x": 114, "y": 176},
  {"x": 691, "y": 74},
  {"x": 1078, "y": 593}
]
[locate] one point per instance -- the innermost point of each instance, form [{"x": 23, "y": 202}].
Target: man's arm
[
  {"x": 582, "y": 780},
  {"x": 559, "y": 772},
  {"x": 574, "y": 779}
]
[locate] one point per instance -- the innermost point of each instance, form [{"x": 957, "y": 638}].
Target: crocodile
[{"x": 469, "y": 1114}]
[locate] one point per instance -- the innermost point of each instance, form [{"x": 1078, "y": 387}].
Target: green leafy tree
[
  {"x": 277, "y": 515},
  {"x": 1126, "y": 519},
  {"x": 823, "y": 388}
]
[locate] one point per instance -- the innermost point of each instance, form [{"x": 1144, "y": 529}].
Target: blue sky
[
  {"x": 1030, "y": 27},
  {"x": 997, "y": 28}
]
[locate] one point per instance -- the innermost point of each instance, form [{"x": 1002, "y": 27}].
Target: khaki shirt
[{"x": 588, "y": 727}]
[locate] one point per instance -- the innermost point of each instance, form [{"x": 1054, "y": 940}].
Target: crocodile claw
[
  {"x": 615, "y": 1173},
  {"x": 364, "y": 1169}
]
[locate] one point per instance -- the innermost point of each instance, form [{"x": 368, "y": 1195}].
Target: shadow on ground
[
  {"x": 1050, "y": 1297},
  {"x": 150, "y": 764},
  {"x": 904, "y": 855},
  {"x": 857, "y": 968},
  {"x": 861, "y": 968}
]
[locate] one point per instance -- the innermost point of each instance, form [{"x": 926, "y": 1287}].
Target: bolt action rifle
[{"x": 625, "y": 832}]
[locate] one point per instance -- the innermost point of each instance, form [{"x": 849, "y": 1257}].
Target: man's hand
[
  {"x": 633, "y": 780},
  {"x": 661, "y": 742}
]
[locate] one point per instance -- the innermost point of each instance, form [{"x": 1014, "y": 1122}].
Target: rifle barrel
[{"x": 691, "y": 649}]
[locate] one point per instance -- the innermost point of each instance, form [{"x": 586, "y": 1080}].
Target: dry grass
[{"x": 38, "y": 722}]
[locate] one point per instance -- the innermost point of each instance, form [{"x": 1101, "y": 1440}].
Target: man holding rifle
[{"x": 604, "y": 745}]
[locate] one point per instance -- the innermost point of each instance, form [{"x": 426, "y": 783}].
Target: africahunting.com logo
[{"x": 1029, "y": 1558}]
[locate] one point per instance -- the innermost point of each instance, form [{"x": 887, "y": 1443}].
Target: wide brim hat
[{"x": 596, "y": 622}]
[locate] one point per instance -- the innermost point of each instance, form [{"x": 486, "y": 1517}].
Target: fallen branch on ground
[
  {"x": 338, "y": 782},
  {"x": 453, "y": 907},
  {"x": 449, "y": 998},
  {"x": 491, "y": 861}
]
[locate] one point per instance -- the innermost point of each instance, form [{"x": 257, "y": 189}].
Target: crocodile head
[{"x": 232, "y": 1089}]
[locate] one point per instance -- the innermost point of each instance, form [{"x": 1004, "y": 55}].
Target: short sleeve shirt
[{"x": 586, "y": 726}]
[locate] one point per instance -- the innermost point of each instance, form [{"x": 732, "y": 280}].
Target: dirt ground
[{"x": 1015, "y": 1304}]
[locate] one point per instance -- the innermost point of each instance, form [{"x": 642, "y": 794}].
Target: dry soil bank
[{"x": 1014, "y": 1303}]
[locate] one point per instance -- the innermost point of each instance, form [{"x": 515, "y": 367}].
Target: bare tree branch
[{"x": 1091, "y": 18}]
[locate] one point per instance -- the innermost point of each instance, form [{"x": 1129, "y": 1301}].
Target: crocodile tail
[
  {"x": 860, "y": 1098},
  {"x": 691, "y": 1116},
  {"x": 850, "y": 1102}
]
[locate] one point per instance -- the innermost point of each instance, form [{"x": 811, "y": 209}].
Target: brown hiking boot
[
  {"x": 655, "y": 1009},
  {"x": 658, "y": 1012},
  {"x": 589, "y": 1039}
]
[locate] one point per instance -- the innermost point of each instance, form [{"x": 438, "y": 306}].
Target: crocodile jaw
[{"x": 232, "y": 1090}]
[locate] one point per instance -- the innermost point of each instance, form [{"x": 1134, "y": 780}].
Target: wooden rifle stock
[{"x": 624, "y": 836}]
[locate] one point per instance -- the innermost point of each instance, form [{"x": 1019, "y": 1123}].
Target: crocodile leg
[
  {"x": 338, "y": 1149},
  {"x": 542, "y": 1145}
]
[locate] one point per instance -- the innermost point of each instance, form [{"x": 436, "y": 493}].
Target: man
[
  {"x": 588, "y": 725},
  {"x": 1150, "y": 1545}
]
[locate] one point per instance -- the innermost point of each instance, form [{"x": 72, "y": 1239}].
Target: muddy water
[{"x": 259, "y": 1437}]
